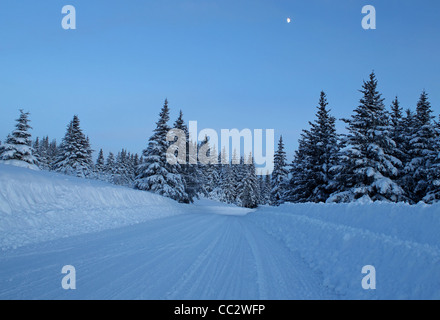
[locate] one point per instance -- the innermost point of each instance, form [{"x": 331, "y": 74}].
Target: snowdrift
[
  {"x": 401, "y": 241},
  {"x": 38, "y": 206}
]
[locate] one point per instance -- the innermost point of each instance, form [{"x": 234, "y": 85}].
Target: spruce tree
[
  {"x": 187, "y": 171},
  {"x": 52, "y": 153},
  {"x": 234, "y": 178},
  {"x": 423, "y": 149},
  {"x": 230, "y": 178},
  {"x": 17, "y": 146},
  {"x": 203, "y": 170},
  {"x": 121, "y": 172},
  {"x": 240, "y": 174},
  {"x": 110, "y": 168},
  {"x": 250, "y": 191},
  {"x": 397, "y": 131},
  {"x": 265, "y": 188},
  {"x": 225, "y": 172},
  {"x": 279, "y": 176},
  {"x": 367, "y": 164},
  {"x": 100, "y": 162},
  {"x": 44, "y": 154},
  {"x": 36, "y": 149},
  {"x": 74, "y": 154},
  {"x": 156, "y": 174},
  {"x": 311, "y": 170}
]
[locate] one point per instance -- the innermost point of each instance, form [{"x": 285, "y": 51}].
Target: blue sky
[{"x": 226, "y": 64}]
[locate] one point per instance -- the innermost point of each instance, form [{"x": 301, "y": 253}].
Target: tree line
[{"x": 386, "y": 155}]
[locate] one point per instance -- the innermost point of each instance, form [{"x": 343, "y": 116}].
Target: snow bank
[
  {"x": 402, "y": 242},
  {"x": 37, "y": 206}
]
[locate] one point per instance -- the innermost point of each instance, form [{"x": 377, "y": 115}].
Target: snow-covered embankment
[
  {"x": 401, "y": 241},
  {"x": 37, "y": 206}
]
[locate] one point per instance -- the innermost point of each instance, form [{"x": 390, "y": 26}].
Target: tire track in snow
[
  {"x": 282, "y": 273},
  {"x": 198, "y": 255}
]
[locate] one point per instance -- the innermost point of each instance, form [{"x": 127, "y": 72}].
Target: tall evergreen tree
[
  {"x": 265, "y": 185},
  {"x": 110, "y": 167},
  {"x": 52, "y": 153},
  {"x": 240, "y": 172},
  {"x": 279, "y": 175},
  {"x": 100, "y": 162},
  {"x": 230, "y": 181},
  {"x": 156, "y": 174},
  {"x": 311, "y": 171},
  {"x": 423, "y": 149},
  {"x": 75, "y": 154},
  {"x": 36, "y": 149},
  {"x": 368, "y": 166},
  {"x": 397, "y": 130},
  {"x": 212, "y": 174},
  {"x": 406, "y": 180},
  {"x": 224, "y": 169},
  {"x": 121, "y": 173},
  {"x": 17, "y": 146},
  {"x": 297, "y": 185},
  {"x": 250, "y": 191},
  {"x": 44, "y": 153},
  {"x": 187, "y": 171}
]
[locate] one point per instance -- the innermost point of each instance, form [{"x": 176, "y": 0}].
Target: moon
[{"x": 288, "y": 20}]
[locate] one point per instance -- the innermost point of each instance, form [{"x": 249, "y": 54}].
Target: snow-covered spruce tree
[
  {"x": 219, "y": 188},
  {"x": 100, "y": 165},
  {"x": 110, "y": 169},
  {"x": 264, "y": 180},
  {"x": 397, "y": 134},
  {"x": 267, "y": 189},
  {"x": 36, "y": 150},
  {"x": 156, "y": 174},
  {"x": 208, "y": 177},
  {"x": 423, "y": 151},
  {"x": 121, "y": 171},
  {"x": 227, "y": 183},
  {"x": 136, "y": 162},
  {"x": 250, "y": 191},
  {"x": 52, "y": 153},
  {"x": 296, "y": 186},
  {"x": 230, "y": 179},
  {"x": 132, "y": 164},
  {"x": 202, "y": 179},
  {"x": 240, "y": 172},
  {"x": 74, "y": 154},
  {"x": 310, "y": 172},
  {"x": 367, "y": 165},
  {"x": 194, "y": 171},
  {"x": 235, "y": 176},
  {"x": 188, "y": 171},
  {"x": 279, "y": 176},
  {"x": 44, "y": 154},
  {"x": 212, "y": 174},
  {"x": 224, "y": 172},
  {"x": 406, "y": 180},
  {"x": 17, "y": 147}
]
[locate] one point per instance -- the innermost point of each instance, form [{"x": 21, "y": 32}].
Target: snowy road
[{"x": 199, "y": 255}]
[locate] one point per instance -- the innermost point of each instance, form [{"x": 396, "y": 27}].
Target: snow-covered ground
[
  {"x": 402, "y": 242},
  {"x": 37, "y": 206},
  {"x": 135, "y": 245}
]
